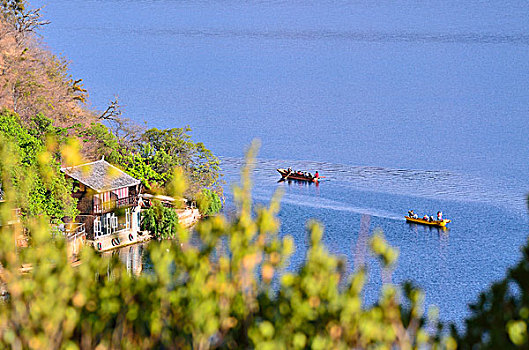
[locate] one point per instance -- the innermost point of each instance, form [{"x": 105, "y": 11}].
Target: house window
[
  {"x": 97, "y": 227},
  {"x": 106, "y": 197},
  {"x": 122, "y": 192},
  {"x": 108, "y": 223}
]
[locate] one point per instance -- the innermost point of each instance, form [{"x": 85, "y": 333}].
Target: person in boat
[
  {"x": 316, "y": 175},
  {"x": 440, "y": 215},
  {"x": 289, "y": 171},
  {"x": 310, "y": 176},
  {"x": 425, "y": 217},
  {"x": 411, "y": 213},
  {"x": 415, "y": 216},
  {"x": 431, "y": 218}
]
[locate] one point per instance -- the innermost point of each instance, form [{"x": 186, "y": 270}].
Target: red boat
[{"x": 297, "y": 175}]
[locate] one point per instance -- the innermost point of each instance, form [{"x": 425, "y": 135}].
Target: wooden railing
[
  {"x": 75, "y": 229},
  {"x": 70, "y": 230},
  {"x": 105, "y": 207}
]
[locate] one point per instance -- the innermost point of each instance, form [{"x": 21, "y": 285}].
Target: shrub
[
  {"x": 160, "y": 221},
  {"x": 226, "y": 289},
  {"x": 209, "y": 202}
]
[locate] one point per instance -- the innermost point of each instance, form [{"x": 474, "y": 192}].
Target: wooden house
[{"x": 108, "y": 204}]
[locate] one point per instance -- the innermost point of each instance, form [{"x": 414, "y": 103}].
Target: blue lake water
[{"x": 399, "y": 104}]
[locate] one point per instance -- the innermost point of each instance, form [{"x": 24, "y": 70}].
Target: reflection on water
[
  {"x": 131, "y": 256},
  {"x": 441, "y": 231}
]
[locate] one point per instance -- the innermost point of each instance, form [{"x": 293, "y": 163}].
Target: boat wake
[
  {"x": 320, "y": 203},
  {"x": 429, "y": 184}
]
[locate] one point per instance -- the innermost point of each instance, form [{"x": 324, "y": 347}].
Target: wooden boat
[
  {"x": 286, "y": 175},
  {"x": 438, "y": 223}
]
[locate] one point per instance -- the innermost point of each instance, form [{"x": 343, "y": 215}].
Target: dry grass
[{"x": 33, "y": 80}]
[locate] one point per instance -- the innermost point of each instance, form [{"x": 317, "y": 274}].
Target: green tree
[
  {"x": 153, "y": 156},
  {"x": 500, "y": 317},
  {"x": 50, "y": 195},
  {"x": 209, "y": 202},
  {"x": 216, "y": 291},
  {"x": 170, "y": 148},
  {"x": 160, "y": 221}
]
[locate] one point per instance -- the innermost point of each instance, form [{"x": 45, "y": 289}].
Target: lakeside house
[{"x": 109, "y": 204}]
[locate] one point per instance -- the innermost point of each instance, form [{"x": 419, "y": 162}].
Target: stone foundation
[
  {"x": 119, "y": 239},
  {"x": 186, "y": 217}
]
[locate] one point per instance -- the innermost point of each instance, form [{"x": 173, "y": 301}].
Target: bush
[
  {"x": 209, "y": 202},
  {"x": 500, "y": 317},
  {"x": 228, "y": 289},
  {"x": 160, "y": 221},
  {"x": 42, "y": 188}
]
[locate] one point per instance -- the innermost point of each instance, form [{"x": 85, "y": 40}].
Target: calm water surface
[{"x": 400, "y": 104}]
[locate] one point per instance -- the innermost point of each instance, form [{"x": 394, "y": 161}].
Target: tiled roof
[{"x": 101, "y": 176}]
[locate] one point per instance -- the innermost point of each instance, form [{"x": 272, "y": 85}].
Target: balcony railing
[
  {"x": 70, "y": 230},
  {"x": 105, "y": 207}
]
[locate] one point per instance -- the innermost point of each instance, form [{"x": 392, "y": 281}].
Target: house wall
[
  {"x": 85, "y": 199},
  {"x": 88, "y": 220}
]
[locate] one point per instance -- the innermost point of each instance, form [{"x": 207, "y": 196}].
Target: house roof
[{"x": 100, "y": 176}]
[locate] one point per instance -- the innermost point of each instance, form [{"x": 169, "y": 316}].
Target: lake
[{"x": 401, "y": 105}]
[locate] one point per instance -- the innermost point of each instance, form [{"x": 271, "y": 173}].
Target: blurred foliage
[
  {"x": 227, "y": 288},
  {"x": 37, "y": 195},
  {"x": 500, "y": 317}
]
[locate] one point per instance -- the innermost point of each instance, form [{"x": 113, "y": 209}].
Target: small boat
[
  {"x": 437, "y": 223},
  {"x": 292, "y": 175}
]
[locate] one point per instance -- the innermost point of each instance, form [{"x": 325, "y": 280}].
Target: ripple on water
[{"x": 431, "y": 184}]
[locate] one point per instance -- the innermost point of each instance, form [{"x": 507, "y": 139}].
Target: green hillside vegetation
[
  {"x": 36, "y": 196},
  {"x": 217, "y": 292},
  {"x": 228, "y": 288},
  {"x": 39, "y": 92}
]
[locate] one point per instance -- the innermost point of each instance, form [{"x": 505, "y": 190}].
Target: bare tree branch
[
  {"x": 127, "y": 131},
  {"x": 113, "y": 111},
  {"x": 23, "y": 21}
]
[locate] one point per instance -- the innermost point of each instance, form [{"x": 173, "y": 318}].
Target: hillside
[
  {"x": 33, "y": 80},
  {"x": 35, "y": 85}
]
